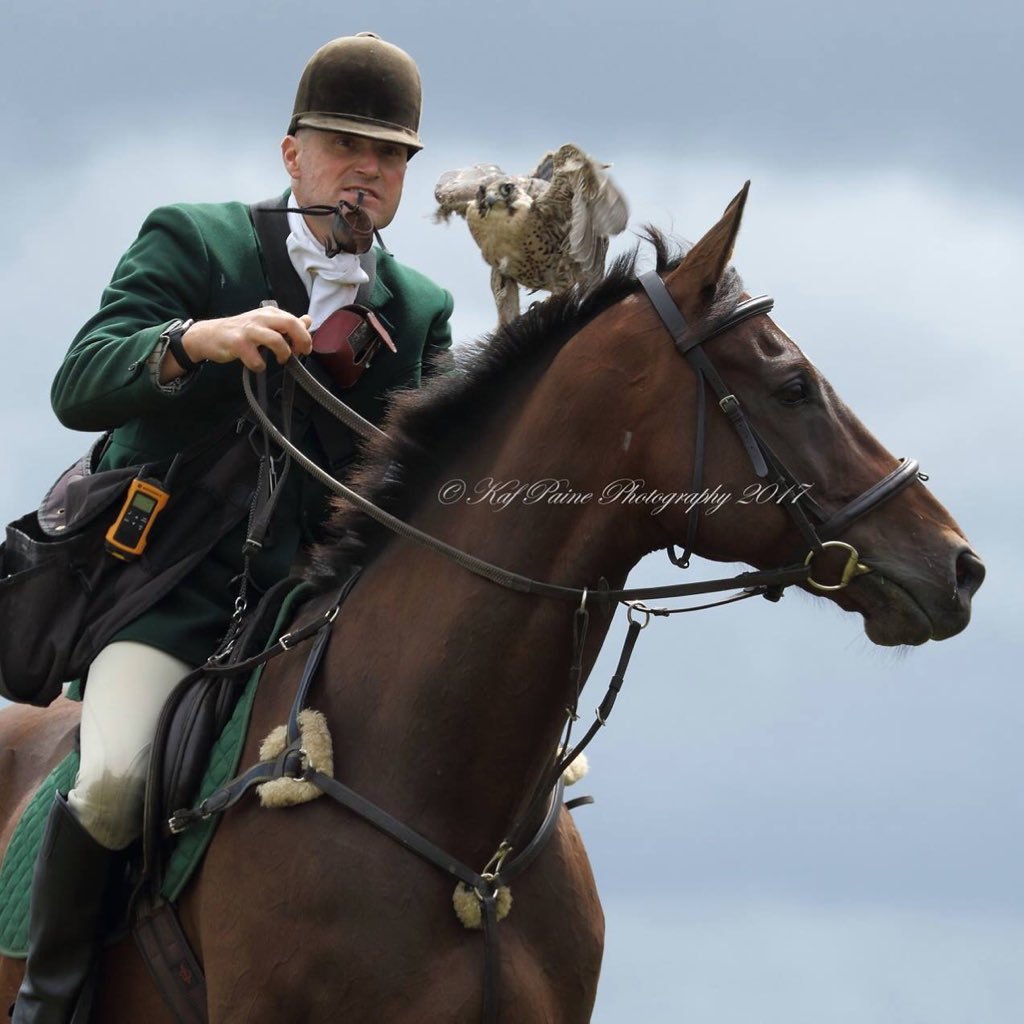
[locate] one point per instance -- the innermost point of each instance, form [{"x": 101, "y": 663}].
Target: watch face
[{"x": 178, "y": 328}]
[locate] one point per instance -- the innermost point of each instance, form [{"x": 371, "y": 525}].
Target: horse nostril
[{"x": 970, "y": 573}]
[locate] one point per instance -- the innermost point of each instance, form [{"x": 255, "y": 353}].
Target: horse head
[{"x": 814, "y": 476}]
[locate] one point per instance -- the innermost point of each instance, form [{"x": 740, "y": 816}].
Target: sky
[{"x": 828, "y": 834}]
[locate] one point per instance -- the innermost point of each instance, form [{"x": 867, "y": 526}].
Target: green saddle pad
[
  {"x": 20, "y": 859},
  {"x": 16, "y": 871}
]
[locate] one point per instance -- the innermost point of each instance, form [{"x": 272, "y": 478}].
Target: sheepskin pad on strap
[
  {"x": 576, "y": 771},
  {"x": 468, "y": 907},
  {"x": 467, "y": 902},
  {"x": 316, "y": 742}
]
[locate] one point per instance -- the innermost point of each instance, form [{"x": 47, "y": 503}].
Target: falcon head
[{"x": 504, "y": 192}]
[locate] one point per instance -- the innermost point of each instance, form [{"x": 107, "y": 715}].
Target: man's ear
[{"x": 291, "y": 145}]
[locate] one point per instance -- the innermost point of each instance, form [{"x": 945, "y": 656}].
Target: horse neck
[{"x": 471, "y": 682}]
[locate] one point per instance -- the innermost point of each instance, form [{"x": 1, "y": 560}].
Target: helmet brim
[{"x": 384, "y": 131}]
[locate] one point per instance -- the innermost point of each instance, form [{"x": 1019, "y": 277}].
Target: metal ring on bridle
[
  {"x": 638, "y": 607},
  {"x": 854, "y": 567}
]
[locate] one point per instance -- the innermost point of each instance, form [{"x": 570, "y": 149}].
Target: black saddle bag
[{"x": 62, "y": 596}]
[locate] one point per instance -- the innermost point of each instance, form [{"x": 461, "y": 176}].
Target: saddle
[{"x": 195, "y": 716}]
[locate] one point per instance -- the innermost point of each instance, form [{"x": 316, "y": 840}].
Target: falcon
[{"x": 548, "y": 230}]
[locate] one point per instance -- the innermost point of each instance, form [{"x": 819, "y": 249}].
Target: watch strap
[{"x": 174, "y": 335}]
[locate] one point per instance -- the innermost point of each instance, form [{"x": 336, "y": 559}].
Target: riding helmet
[{"x": 362, "y": 85}]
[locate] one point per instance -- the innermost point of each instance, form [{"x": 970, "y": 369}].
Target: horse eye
[{"x": 796, "y": 392}]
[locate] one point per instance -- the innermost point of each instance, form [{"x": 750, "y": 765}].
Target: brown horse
[{"x": 446, "y": 694}]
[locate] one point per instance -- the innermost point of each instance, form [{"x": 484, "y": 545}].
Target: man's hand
[{"x": 239, "y": 337}]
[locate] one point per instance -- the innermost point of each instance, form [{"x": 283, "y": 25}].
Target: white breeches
[{"x": 127, "y": 686}]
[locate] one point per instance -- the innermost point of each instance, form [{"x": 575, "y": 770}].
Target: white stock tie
[{"x": 332, "y": 281}]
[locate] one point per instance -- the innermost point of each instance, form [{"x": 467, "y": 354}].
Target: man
[{"x": 159, "y": 366}]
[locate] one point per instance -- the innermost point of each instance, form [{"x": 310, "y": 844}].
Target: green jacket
[{"x": 202, "y": 262}]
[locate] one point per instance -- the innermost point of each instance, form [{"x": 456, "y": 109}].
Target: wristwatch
[{"x": 173, "y": 336}]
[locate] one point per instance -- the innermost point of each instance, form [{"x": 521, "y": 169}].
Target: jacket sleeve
[{"x": 103, "y": 381}]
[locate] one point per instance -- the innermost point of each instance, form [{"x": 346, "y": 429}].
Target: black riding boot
[{"x": 68, "y": 888}]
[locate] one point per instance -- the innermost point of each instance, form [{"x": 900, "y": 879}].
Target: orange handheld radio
[{"x": 128, "y": 536}]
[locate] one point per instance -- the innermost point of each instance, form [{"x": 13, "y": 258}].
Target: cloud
[{"x": 927, "y": 85}]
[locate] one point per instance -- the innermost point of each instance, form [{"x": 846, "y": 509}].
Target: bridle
[
  {"x": 766, "y": 464},
  {"x": 767, "y": 583}
]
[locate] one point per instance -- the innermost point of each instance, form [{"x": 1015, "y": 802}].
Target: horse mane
[{"x": 427, "y": 426}]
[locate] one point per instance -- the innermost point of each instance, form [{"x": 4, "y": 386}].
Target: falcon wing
[
  {"x": 455, "y": 190},
  {"x": 582, "y": 206},
  {"x": 546, "y": 166},
  {"x": 598, "y": 207}
]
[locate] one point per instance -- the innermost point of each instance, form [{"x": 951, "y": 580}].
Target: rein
[
  {"x": 785, "y": 576},
  {"x": 761, "y": 457},
  {"x": 520, "y": 847}
]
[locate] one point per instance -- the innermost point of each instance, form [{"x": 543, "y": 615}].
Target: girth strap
[
  {"x": 240, "y": 671},
  {"x": 171, "y": 961}
]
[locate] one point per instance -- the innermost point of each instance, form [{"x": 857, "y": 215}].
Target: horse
[{"x": 446, "y": 694}]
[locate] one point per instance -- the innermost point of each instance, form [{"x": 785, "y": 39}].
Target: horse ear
[{"x": 696, "y": 278}]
